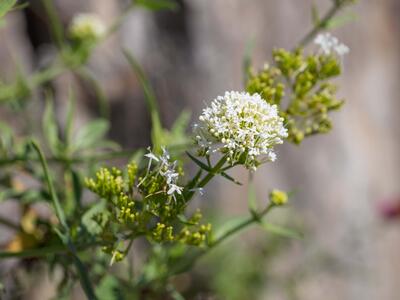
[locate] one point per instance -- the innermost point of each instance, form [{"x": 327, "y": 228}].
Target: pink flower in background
[{"x": 389, "y": 209}]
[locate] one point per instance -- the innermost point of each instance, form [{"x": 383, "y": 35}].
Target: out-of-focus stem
[{"x": 337, "y": 5}]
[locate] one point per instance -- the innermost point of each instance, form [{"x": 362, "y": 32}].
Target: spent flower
[
  {"x": 86, "y": 26},
  {"x": 242, "y": 126}
]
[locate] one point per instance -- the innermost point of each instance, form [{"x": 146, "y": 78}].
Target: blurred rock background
[{"x": 195, "y": 54}]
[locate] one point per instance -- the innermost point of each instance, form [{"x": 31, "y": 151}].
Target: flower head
[
  {"x": 329, "y": 44},
  {"x": 86, "y": 26},
  {"x": 241, "y": 126}
]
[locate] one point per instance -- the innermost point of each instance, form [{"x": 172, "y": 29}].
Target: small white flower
[
  {"x": 87, "y": 26},
  {"x": 170, "y": 176},
  {"x": 165, "y": 157},
  {"x": 164, "y": 168},
  {"x": 173, "y": 188},
  {"x": 242, "y": 126},
  {"x": 329, "y": 44},
  {"x": 151, "y": 155},
  {"x": 342, "y": 49},
  {"x": 199, "y": 189}
]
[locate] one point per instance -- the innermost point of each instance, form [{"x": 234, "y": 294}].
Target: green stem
[
  {"x": 74, "y": 160},
  {"x": 214, "y": 171},
  {"x": 253, "y": 219},
  {"x": 56, "y": 27},
  {"x": 8, "y": 93},
  {"x": 321, "y": 24},
  {"x": 65, "y": 237},
  {"x": 53, "y": 194}
]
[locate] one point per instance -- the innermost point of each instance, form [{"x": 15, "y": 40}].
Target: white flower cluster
[
  {"x": 166, "y": 169},
  {"x": 329, "y": 44},
  {"x": 241, "y": 125},
  {"x": 86, "y": 26}
]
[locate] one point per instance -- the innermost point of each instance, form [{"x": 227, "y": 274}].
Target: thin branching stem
[
  {"x": 72, "y": 160},
  {"x": 65, "y": 236},
  {"x": 336, "y": 7}
]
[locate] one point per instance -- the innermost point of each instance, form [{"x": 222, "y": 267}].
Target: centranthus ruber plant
[{"x": 90, "y": 237}]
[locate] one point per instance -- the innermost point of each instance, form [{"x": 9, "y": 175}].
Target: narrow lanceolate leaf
[
  {"x": 194, "y": 181},
  {"x": 158, "y": 4},
  {"x": 50, "y": 127},
  {"x": 230, "y": 178},
  {"x": 99, "y": 209},
  {"x": 184, "y": 220},
  {"x": 228, "y": 225},
  {"x": 178, "y": 136},
  {"x": 157, "y": 132},
  {"x": 199, "y": 162},
  {"x": 70, "y": 118},
  {"x": 281, "y": 231},
  {"x": 339, "y": 21},
  {"x": 90, "y": 134},
  {"x": 6, "y": 6}
]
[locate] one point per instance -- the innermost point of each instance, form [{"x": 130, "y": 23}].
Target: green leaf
[
  {"x": 137, "y": 156},
  {"x": 98, "y": 90},
  {"x": 199, "y": 162},
  {"x": 6, "y": 137},
  {"x": 157, "y": 132},
  {"x": 77, "y": 185},
  {"x": 107, "y": 144},
  {"x": 340, "y": 21},
  {"x": 194, "y": 181},
  {"x": 90, "y": 134},
  {"x": 70, "y": 118},
  {"x": 56, "y": 27},
  {"x": 157, "y": 4},
  {"x": 181, "y": 123},
  {"x": 178, "y": 136},
  {"x": 230, "y": 178},
  {"x": 108, "y": 288},
  {"x": 184, "y": 220},
  {"x": 229, "y": 225},
  {"x": 91, "y": 225},
  {"x": 6, "y": 6},
  {"x": 281, "y": 231},
  {"x": 50, "y": 127}
]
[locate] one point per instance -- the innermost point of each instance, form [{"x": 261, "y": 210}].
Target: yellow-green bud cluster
[
  {"x": 107, "y": 184},
  {"x": 162, "y": 233},
  {"x": 310, "y": 97},
  {"x": 126, "y": 213},
  {"x": 278, "y": 197},
  {"x": 195, "y": 237},
  {"x": 136, "y": 199}
]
